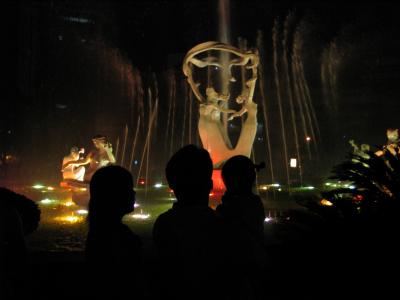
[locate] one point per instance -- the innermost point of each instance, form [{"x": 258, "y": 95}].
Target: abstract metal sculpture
[{"x": 214, "y": 107}]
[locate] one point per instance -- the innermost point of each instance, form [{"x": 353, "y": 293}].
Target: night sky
[{"x": 74, "y": 65}]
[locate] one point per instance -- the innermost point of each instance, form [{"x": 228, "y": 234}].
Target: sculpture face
[
  {"x": 99, "y": 143},
  {"x": 75, "y": 155},
  {"x": 223, "y": 60},
  {"x": 216, "y": 101}
]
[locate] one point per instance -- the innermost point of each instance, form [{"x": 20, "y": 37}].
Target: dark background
[{"x": 68, "y": 67}]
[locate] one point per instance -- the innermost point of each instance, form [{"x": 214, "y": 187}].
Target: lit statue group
[
  {"x": 215, "y": 111},
  {"x": 392, "y": 145},
  {"x": 81, "y": 169}
]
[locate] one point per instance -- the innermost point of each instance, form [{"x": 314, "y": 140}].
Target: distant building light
[
  {"x": 78, "y": 20},
  {"x": 61, "y": 106},
  {"x": 293, "y": 162}
]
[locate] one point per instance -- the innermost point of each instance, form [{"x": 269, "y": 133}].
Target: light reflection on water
[
  {"x": 63, "y": 225},
  {"x": 69, "y": 219}
]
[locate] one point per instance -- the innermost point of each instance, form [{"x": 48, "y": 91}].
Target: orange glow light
[{"x": 69, "y": 219}]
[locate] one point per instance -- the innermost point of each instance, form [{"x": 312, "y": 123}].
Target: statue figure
[
  {"x": 392, "y": 144},
  {"x": 214, "y": 107},
  {"x": 101, "y": 156},
  {"x": 71, "y": 168}
]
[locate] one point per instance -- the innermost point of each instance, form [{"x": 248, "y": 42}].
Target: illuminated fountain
[
  {"x": 225, "y": 94},
  {"x": 154, "y": 114},
  {"x": 160, "y": 115}
]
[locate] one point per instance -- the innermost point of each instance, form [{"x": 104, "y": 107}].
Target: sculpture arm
[
  {"x": 248, "y": 133},
  {"x": 110, "y": 155},
  {"x": 77, "y": 163}
]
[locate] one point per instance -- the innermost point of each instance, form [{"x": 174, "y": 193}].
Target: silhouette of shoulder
[
  {"x": 114, "y": 244},
  {"x": 245, "y": 210},
  {"x": 189, "y": 227}
]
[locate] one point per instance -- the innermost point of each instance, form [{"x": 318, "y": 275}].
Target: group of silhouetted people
[
  {"x": 202, "y": 253},
  {"x": 212, "y": 254}
]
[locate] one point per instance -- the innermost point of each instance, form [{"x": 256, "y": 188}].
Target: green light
[
  {"x": 38, "y": 186},
  {"x": 46, "y": 201}
]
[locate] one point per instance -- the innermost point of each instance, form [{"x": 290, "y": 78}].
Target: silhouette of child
[
  {"x": 239, "y": 204},
  {"x": 111, "y": 247},
  {"x": 243, "y": 214}
]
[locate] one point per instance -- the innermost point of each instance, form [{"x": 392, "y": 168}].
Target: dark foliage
[{"x": 375, "y": 181}]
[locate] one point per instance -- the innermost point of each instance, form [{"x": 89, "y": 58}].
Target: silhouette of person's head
[
  {"x": 27, "y": 210},
  {"x": 189, "y": 174},
  {"x": 19, "y": 216},
  {"x": 239, "y": 174},
  {"x": 111, "y": 194}
]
